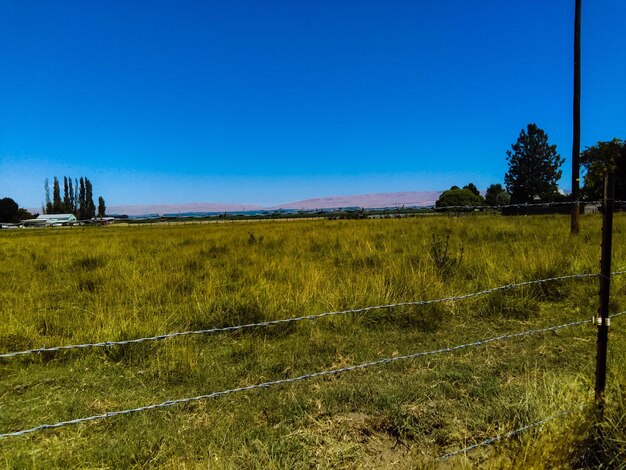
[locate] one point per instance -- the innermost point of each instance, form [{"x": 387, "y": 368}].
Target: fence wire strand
[
  {"x": 293, "y": 319},
  {"x": 386, "y": 360},
  {"x": 509, "y": 434}
]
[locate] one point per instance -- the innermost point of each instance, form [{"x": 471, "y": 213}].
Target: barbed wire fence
[
  {"x": 601, "y": 321},
  {"x": 382, "y": 361},
  {"x": 104, "y": 344}
]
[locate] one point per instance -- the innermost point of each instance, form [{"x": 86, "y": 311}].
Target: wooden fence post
[{"x": 602, "y": 319}]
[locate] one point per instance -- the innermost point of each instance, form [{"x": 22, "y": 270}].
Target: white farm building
[{"x": 51, "y": 219}]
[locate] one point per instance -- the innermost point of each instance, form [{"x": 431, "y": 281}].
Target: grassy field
[{"x": 66, "y": 286}]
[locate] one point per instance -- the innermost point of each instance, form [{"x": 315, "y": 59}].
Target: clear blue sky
[{"x": 274, "y": 101}]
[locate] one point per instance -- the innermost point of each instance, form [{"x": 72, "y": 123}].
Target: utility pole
[{"x": 575, "y": 225}]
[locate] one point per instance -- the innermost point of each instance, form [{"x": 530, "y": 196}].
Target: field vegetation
[{"x": 73, "y": 285}]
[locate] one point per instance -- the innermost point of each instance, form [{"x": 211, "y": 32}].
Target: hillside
[{"x": 374, "y": 200}]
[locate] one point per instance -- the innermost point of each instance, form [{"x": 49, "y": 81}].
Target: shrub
[{"x": 445, "y": 263}]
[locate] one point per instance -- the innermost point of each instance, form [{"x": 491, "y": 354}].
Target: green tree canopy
[
  {"x": 8, "y": 210},
  {"x": 533, "y": 167},
  {"x": 496, "y": 195},
  {"x": 600, "y": 159},
  {"x": 503, "y": 198},
  {"x": 23, "y": 214},
  {"x": 458, "y": 197},
  {"x": 472, "y": 187}
]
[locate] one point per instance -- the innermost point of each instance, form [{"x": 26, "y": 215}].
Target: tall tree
[
  {"x": 76, "y": 197},
  {"x": 102, "y": 208},
  {"x": 72, "y": 204},
  {"x": 57, "y": 205},
  {"x": 600, "y": 159},
  {"x": 82, "y": 201},
  {"x": 533, "y": 167},
  {"x": 90, "y": 207},
  {"x": 66, "y": 196},
  {"x": 46, "y": 188}
]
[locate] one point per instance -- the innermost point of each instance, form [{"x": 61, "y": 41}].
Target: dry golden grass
[{"x": 64, "y": 286}]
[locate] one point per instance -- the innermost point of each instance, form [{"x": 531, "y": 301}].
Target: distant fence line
[{"x": 534, "y": 208}]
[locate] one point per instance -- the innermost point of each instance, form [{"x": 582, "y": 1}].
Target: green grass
[{"x": 65, "y": 286}]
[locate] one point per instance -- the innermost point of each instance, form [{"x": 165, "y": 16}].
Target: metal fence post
[{"x": 605, "y": 288}]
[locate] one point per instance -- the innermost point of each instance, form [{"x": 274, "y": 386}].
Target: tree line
[
  {"x": 469, "y": 195},
  {"x": 77, "y": 198},
  {"x": 534, "y": 170}
]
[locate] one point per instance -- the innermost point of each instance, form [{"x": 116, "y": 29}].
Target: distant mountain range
[
  {"x": 409, "y": 198},
  {"x": 368, "y": 201},
  {"x": 143, "y": 209}
]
